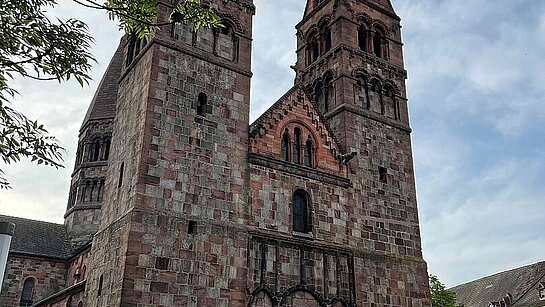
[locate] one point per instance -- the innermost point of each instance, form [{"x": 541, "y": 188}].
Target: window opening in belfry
[
  {"x": 297, "y": 145},
  {"x": 362, "y": 38},
  {"x": 107, "y": 144},
  {"x": 327, "y": 38},
  {"x": 201, "y": 104},
  {"x": 377, "y": 44},
  {"x": 96, "y": 151},
  {"x": 300, "y": 212}
]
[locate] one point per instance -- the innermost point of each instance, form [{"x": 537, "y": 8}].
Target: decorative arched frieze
[{"x": 303, "y": 289}]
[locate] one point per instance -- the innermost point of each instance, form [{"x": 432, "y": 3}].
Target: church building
[{"x": 177, "y": 200}]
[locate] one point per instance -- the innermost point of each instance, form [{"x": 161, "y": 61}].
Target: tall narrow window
[
  {"x": 69, "y": 301},
  {"x": 297, "y": 145},
  {"x": 121, "y": 171},
  {"x": 201, "y": 104},
  {"x": 362, "y": 38},
  {"x": 28, "y": 291},
  {"x": 285, "y": 146},
  {"x": 377, "y": 44},
  {"x": 106, "y": 154},
  {"x": 327, "y": 40},
  {"x": 100, "y": 282},
  {"x": 308, "y": 153},
  {"x": 300, "y": 212},
  {"x": 96, "y": 151}
]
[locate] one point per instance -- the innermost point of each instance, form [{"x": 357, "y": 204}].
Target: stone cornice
[{"x": 299, "y": 170}]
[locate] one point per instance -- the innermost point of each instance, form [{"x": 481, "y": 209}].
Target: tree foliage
[
  {"x": 36, "y": 47},
  {"x": 440, "y": 296},
  {"x": 33, "y": 46}
]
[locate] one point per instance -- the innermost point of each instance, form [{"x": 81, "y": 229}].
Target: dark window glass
[
  {"x": 285, "y": 146},
  {"x": 96, "y": 151},
  {"x": 121, "y": 171},
  {"x": 308, "y": 153},
  {"x": 327, "y": 43},
  {"x": 26, "y": 295},
  {"x": 201, "y": 104},
  {"x": 377, "y": 44},
  {"x": 300, "y": 212},
  {"x": 383, "y": 172},
  {"x": 362, "y": 38},
  {"x": 100, "y": 282},
  {"x": 297, "y": 146},
  {"x": 107, "y": 144}
]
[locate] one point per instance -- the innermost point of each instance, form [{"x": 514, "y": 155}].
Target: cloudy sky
[{"x": 476, "y": 84}]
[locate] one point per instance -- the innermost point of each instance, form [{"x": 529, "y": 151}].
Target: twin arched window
[
  {"x": 293, "y": 149},
  {"x": 373, "y": 41},
  {"x": 28, "y": 292},
  {"x": 300, "y": 212},
  {"x": 318, "y": 42},
  {"x": 97, "y": 149}
]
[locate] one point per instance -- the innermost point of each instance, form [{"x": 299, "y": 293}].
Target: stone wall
[{"x": 49, "y": 277}]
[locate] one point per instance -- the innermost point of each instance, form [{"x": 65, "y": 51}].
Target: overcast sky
[{"x": 476, "y": 84}]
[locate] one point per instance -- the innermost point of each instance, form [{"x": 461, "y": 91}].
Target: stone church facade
[{"x": 177, "y": 201}]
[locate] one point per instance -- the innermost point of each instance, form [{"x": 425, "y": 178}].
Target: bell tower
[
  {"x": 175, "y": 196},
  {"x": 350, "y": 61}
]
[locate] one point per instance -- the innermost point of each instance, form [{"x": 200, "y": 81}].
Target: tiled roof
[
  {"x": 103, "y": 104},
  {"x": 520, "y": 283},
  {"x": 37, "y": 238}
]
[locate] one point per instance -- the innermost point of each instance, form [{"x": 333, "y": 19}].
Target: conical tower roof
[{"x": 103, "y": 104}]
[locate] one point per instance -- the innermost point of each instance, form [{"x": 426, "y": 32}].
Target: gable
[{"x": 295, "y": 110}]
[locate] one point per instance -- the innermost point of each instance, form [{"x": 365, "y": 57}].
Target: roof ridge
[
  {"x": 29, "y": 219},
  {"x": 499, "y": 273}
]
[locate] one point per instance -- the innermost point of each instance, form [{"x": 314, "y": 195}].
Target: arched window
[
  {"x": 69, "y": 301},
  {"x": 96, "y": 151},
  {"x": 80, "y": 304},
  {"x": 312, "y": 50},
  {"x": 106, "y": 154},
  {"x": 28, "y": 291},
  {"x": 326, "y": 40},
  {"x": 362, "y": 38},
  {"x": 297, "y": 145},
  {"x": 308, "y": 153},
  {"x": 285, "y": 146},
  {"x": 202, "y": 100},
  {"x": 301, "y": 220},
  {"x": 377, "y": 44}
]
